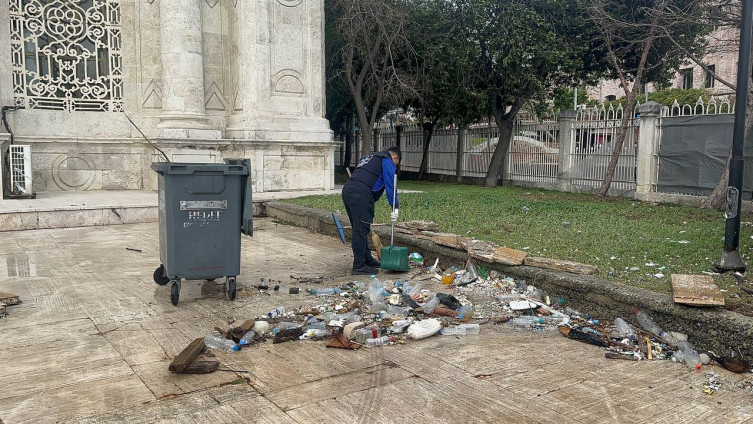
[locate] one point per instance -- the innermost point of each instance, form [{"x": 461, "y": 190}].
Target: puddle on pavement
[{"x": 17, "y": 266}]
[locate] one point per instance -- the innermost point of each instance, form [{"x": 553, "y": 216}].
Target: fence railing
[{"x": 573, "y": 153}]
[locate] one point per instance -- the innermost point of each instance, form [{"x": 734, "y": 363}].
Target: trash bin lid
[{"x": 184, "y": 168}]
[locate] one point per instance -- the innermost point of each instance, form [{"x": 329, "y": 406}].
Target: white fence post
[
  {"x": 566, "y": 140},
  {"x": 649, "y": 138}
]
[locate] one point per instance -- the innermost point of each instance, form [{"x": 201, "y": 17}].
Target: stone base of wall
[{"x": 124, "y": 164}]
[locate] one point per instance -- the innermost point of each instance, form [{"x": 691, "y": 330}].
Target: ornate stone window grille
[{"x": 66, "y": 54}]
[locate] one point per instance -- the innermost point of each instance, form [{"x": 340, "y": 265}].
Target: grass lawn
[{"x": 630, "y": 241}]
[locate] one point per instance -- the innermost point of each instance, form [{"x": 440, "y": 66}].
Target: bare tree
[{"x": 371, "y": 39}]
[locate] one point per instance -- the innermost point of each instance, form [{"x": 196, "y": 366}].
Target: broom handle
[{"x": 394, "y": 197}]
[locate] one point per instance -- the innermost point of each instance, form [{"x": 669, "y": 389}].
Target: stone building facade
[
  {"x": 722, "y": 54},
  {"x": 202, "y": 79}
]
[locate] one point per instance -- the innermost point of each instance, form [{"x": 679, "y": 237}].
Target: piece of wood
[
  {"x": 9, "y": 299},
  {"x": 339, "y": 341},
  {"x": 696, "y": 290},
  {"x": 287, "y": 335},
  {"x": 188, "y": 355},
  {"x": 507, "y": 256},
  {"x": 377, "y": 242},
  {"x": 204, "y": 366},
  {"x": 573, "y": 267}
]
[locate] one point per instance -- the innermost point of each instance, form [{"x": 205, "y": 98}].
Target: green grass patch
[{"x": 621, "y": 236}]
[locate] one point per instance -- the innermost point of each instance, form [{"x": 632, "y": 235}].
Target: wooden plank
[
  {"x": 9, "y": 299},
  {"x": 573, "y": 267},
  {"x": 188, "y": 355},
  {"x": 507, "y": 256},
  {"x": 203, "y": 366},
  {"x": 697, "y": 290}
]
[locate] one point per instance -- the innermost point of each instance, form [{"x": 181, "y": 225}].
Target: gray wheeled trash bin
[{"x": 203, "y": 209}]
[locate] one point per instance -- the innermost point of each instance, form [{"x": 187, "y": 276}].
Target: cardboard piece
[{"x": 696, "y": 290}]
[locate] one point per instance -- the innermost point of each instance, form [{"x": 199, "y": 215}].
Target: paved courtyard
[{"x": 94, "y": 335}]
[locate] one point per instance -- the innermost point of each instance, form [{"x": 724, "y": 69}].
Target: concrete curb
[{"x": 716, "y": 329}]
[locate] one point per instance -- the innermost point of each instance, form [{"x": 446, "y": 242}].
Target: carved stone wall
[{"x": 263, "y": 97}]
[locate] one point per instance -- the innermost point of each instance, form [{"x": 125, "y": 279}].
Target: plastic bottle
[
  {"x": 329, "y": 291},
  {"x": 691, "y": 356},
  {"x": 622, "y": 329},
  {"x": 317, "y": 332},
  {"x": 472, "y": 272},
  {"x": 216, "y": 341},
  {"x": 646, "y": 323},
  {"x": 381, "y": 341},
  {"x": 288, "y": 325},
  {"x": 573, "y": 313},
  {"x": 248, "y": 338},
  {"x": 465, "y": 311},
  {"x": 526, "y": 321},
  {"x": 276, "y": 312},
  {"x": 430, "y": 305},
  {"x": 320, "y": 325},
  {"x": 453, "y": 331},
  {"x": 471, "y": 329}
]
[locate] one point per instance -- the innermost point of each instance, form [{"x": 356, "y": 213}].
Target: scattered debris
[
  {"x": 697, "y": 290},
  {"x": 9, "y": 299}
]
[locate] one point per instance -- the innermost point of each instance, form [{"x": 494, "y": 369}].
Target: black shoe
[
  {"x": 373, "y": 263},
  {"x": 365, "y": 270}
]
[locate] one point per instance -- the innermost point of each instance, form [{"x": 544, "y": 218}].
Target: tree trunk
[
  {"x": 622, "y": 132},
  {"x": 505, "y": 124},
  {"x": 367, "y": 137},
  {"x": 348, "y": 142},
  {"x": 428, "y": 128}
]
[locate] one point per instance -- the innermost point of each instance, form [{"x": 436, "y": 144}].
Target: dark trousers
[{"x": 359, "y": 204}]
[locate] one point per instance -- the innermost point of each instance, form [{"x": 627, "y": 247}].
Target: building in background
[
  {"x": 203, "y": 79},
  {"x": 721, "y": 58}
]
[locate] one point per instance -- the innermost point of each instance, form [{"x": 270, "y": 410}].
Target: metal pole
[
  {"x": 575, "y": 99},
  {"x": 731, "y": 259}
]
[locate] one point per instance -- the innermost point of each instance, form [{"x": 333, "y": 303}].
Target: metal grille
[
  {"x": 594, "y": 135},
  {"x": 534, "y": 152},
  {"x": 20, "y": 169},
  {"x": 66, "y": 54}
]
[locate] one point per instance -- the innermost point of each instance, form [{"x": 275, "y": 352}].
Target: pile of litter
[{"x": 385, "y": 312}]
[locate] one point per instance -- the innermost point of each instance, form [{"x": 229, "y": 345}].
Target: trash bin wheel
[
  {"x": 159, "y": 276},
  {"x": 231, "y": 288},
  {"x": 175, "y": 292}
]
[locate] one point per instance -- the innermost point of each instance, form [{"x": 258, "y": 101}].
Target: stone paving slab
[{"x": 92, "y": 339}]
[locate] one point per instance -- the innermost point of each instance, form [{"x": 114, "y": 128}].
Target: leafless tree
[
  {"x": 622, "y": 37},
  {"x": 371, "y": 41}
]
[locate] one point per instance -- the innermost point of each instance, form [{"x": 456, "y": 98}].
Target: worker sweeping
[{"x": 373, "y": 175}]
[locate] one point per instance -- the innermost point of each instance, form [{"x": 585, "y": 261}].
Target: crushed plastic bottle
[
  {"x": 380, "y": 341},
  {"x": 248, "y": 338},
  {"x": 691, "y": 356},
  {"x": 216, "y": 341},
  {"x": 276, "y": 312},
  {"x": 465, "y": 311},
  {"x": 622, "y": 329},
  {"x": 429, "y": 306}
]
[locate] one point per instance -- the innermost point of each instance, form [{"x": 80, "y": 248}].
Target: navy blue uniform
[{"x": 373, "y": 176}]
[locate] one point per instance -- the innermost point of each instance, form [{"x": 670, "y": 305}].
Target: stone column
[
  {"x": 182, "y": 65},
  {"x": 648, "y": 150},
  {"x": 566, "y": 141}
]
